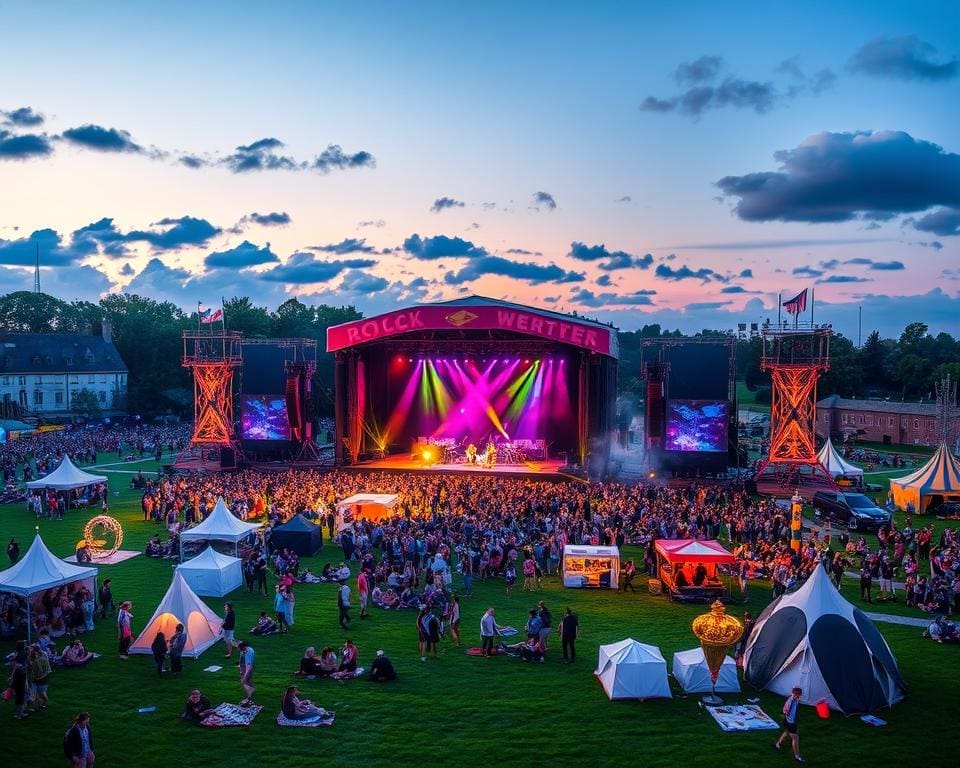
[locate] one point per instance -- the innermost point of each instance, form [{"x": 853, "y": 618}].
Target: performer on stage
[
  {"x": 471, "y": 454},
  {"x": 490, "y": 454}
]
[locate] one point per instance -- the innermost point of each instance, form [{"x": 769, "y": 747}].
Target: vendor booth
[
  {"x": 588, "y": 566},
  {"x": 298, "y": 535},
  {"x": 366, "y": 506},
  {"x": 687, "y": 569}
]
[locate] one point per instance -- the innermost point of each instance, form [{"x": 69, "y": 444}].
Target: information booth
[
  {"x": 688, "y": 569},
  {"x": 588, "y": 566}
]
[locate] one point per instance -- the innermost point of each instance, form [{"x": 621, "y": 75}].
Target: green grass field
[{"x": 458, "y": 710}]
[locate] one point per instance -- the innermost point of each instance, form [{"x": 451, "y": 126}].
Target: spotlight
[
  {"x": 651, "y": 474},
  {"x": 409, "y": 359},
  {"x": 526, "y": 362},
  {"x": 463, "y": 410}
]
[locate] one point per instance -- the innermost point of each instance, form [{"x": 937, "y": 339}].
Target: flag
[
  {"x": 797, "y": 304},
  {"x": 211, "y": 316}
]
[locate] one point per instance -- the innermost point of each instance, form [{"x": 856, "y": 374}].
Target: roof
[
  {"x": 879, "y": 406},
  {"x": 40, "y": 569},
  {"x": 220, "y": 525},
  {"x": 692, "y": 550},
  {"x": 589, "y": 550},
  {"x": 40, "y": 353},
  {"x": 66, "y": 477},
  {"x": 834, "y": 463},
  {"x": 296, "y": 524},
  {"x": 210, "y": 560},
  {"x": 474, "y": 300},
  {"x": 383, "y": 499},
  {"x": 939, "y": 475}
]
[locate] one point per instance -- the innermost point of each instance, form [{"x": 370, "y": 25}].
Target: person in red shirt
[{"x": 363, "y": 589}]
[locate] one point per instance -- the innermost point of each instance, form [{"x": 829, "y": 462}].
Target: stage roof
[{"x": 477, "y": 313}]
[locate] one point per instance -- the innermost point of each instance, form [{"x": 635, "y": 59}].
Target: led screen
[
  {"x": 696, "y": 425},
  {"x": 264, "y": 417}
]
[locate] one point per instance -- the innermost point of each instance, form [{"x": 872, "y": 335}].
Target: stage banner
[{"x": 594, "y": 338}]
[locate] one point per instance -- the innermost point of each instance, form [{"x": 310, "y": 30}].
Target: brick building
[
  {"x": 41, "y": 372},
  {"x": 881, "y": 421}
]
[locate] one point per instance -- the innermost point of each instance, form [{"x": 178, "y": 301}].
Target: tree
[
  {"x": 27, "y": 312},
  {"x": 84, "y": 404},
  {"x": 240, "y": 314}
]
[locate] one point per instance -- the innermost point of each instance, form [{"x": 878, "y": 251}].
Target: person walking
[
  {"x": 467, "y": 561},
  {"x": 791, "y": 708},
  {"x": 39, "y": 674},
  {"x": 177, "y": 643},
  {"x": 629, "y": 571},
  {"x": 488, "y": 631},
  {"x": 229, "y": 626},
  {"x": 18, "y": 684},
  {"x": 363, "y": 589},
  {"x": 78, "y": 742},
  {"x": 455, "y": 620},
  {"x": 159, "y": 650},
  {"x": 343, "y": 604},
  {"x": 106, "y": 598},
  {"x": 247, "y": 656},
  {"x": 125, "y": 628},
  {"x": 569, "y": 632}
]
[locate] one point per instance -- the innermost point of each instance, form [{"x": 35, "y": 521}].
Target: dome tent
[
  {"x": 814, "y": 639},
  {"x": 632, "y": 670},
  {"x": 691, "y": 671},
  {"x": 180, "y": 605}
]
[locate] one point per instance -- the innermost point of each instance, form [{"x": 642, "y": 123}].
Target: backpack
[{"x": 66, "y": 743}]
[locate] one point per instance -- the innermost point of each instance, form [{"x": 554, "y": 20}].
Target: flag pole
[
  {"x": 779, "y": 308},
  {"x": 813, "y": 298},
  {"x": 198, "y": 317}
]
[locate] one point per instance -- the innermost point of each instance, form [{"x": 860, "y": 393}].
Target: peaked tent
[
  {"x": 691, "y": 671},
  {"x": 40, "y": 569},
  {"x": 299, "y": 535},
  {"x": 835, "y": 464},
  {"x": 938, "y": 477},
  {"x": 212, "y": 574},
  {"x": 369, "y": 506},
  {"x": 220, "y": 525},
  {"x": 813, "y": 638},
  {"x": 632, "y": 670},
  {"x": 66, "y": 477},
  {"x": 181, "y": 606}
]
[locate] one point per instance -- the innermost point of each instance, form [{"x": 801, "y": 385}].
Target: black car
[{"x": 857, "y": 511}]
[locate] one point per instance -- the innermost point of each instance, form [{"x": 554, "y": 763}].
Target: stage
[{"x": 404, "y": 463}]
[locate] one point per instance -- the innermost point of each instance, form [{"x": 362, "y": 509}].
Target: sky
[{"x": 682, "y": 164}]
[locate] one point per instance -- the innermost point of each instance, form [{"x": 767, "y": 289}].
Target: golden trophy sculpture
[{"x": 716, "y": 632}]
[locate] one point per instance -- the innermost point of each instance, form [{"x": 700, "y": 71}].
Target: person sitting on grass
[
  {"x": 529, "y": 650},
  {"x": 382, "y": 669},
  {"x": 309, "y": 664},
  {"x": 76, "y": 655},
  {"x": 265, "y": 626},
  {"x": 329, "y": 663},
  {"x": 348, "y": 657},
  {"x": 295, "y": 708},
  {"x": 197, "y": 707}
]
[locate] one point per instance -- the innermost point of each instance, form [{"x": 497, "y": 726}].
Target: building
[
  {"x": 40, "y": 373},
  {"x": 881, "y": 421}
]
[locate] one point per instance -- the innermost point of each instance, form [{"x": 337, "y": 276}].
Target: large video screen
[
  {"x": 696, "y": 425},
  {"x": 264, "y": 417}
]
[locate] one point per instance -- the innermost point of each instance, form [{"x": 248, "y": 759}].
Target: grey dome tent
[
  {"x": 298, "y": 535},
  {"x": 814, "y": 639}
]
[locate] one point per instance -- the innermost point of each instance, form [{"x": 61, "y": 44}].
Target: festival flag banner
[{"x": 797, "y": 304}]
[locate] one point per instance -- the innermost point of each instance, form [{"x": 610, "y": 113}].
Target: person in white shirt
[
  {"x": 488, "y": 630},
  {"x": 343, "y": 603}
]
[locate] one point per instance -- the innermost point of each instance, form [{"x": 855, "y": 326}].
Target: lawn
[{"x": 459, "y": 710}]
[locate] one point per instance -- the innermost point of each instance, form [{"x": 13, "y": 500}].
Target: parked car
[{"x": 857, "y": 511}]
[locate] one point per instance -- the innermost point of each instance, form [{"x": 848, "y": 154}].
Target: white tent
[
  {"x": 220, "y": 525},
  {"x": 632, "y": 670},
  {"x": 834, "y": 463},
  {"x": 589, "y": 566},
  {"x": 691, "y": 671},
  {"x": 938, "y": 477},
  {"x": 813, "y": 638},
  {"x": 181, "y": 606},
  {"x": 66, "y": 477},
  {"x": 40, "y": 569},
  {"x": 212, "y": 574},
  {"x": 369, "y": 506}
]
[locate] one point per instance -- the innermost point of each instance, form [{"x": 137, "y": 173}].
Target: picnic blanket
[
  {"x": 324, "y": 719},
  {"x": 735, "y": 717},
  {"x": 347, "y": 675},
  {"x": 230, "y": 716},
  {"x": 479, "y": 651}
]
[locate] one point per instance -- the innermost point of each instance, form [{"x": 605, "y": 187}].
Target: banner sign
[{"x": 588, "y": 336}]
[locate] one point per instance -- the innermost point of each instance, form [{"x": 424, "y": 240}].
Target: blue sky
[{"x": 635, "y": 162}]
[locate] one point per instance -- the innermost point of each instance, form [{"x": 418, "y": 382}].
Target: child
[{"x": 510, "y": 575}]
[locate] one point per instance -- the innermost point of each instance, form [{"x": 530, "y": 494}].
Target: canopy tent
[
  {"x": 181, "y": 606},
  {"x": 212, "y": 573},
  {"x": 691, "y": 671},
  {"x": 298, "y": 535},
  {"x": 220, "y": 525},
  {"x": 39, "y": 570},
  {"x": 632, "y": 670},
  {"x": 66, "y": 477},
  {"x": 813, "y": 638},
  {"x": 835, "y": 464},
  {"x": 679, "y": 561},
  {"x": 369, "y": 506},
  {"x": 589, "y": 566},
  {"x": 939, "y": 477}
]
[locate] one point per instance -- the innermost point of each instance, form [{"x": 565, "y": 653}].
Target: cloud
[
  {"x": 358, "y": 281},
  {"x": 903, "y": 58},
  {"x": 843, "y": 279},
  {"x": 604, "y": 281},
  {"x": 700, "y": 70},
  {"x": 685, "y": 273},
  {"x": 274, "y": 219},
  {"x": 763, "y": 245},
  {"x": 23, "y": 146},
  {"x": 378, "y": 223},
  {"x": 820, "y": 81},
  {"x": 442, "y": 203},
  {"x": 24, "y": 117},
  {"x": 700, "y": 306},
  {"x": 126, "y": 270},
  {"x": 192, "y": 161},
  {"x": 242, "y": 256},
  {"x": 307, "y": 268},
  {"x": 834, "y": 177},
  {"x": 806, "y": 272},
  {"x": 334, "y": 158},
  {"x": 746, "y": 273},
  {"x": 101, "y": 139},
  {"x": 441, "y": 246},
  {"x": 534, "y": 274},
  {"x": 732, "y": 92},
  {"x": 593, "y": 300},
  {"x": 259, "y": 156},
  {"x": 543, "y": 201},
  {"x": 887, "y": 266},
  {"x": 653, "y": 104},
  {"x": 944, "y": 222},
  {"x": 616, "y": 259},
  {"x": 53, "y": 252},
  {"x": 624, "y": 199},
  {"x": 735, "y": 289},
  {"x": 347, "y": 245},
  {"x": 176, "y": 233},
  {"x": 523, "y": 252}
]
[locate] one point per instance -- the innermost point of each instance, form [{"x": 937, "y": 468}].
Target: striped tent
[
  {"x": 939, "y": 477},
  {"x": 834, "y": 463}
]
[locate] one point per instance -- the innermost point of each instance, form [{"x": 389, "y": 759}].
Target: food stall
[
  {"x": 589, "y": 566},
  {"x": 688, "y": 569}
]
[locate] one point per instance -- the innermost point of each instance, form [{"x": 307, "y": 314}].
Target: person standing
[
  {"x": 455, "y": 620},
  {"x": 280, "y": 607},
  {"x": 13, "y": 551},
  {"x": 229, "y": 626},
  {"x": 791, "y": 708},
  {"x": 569, "y": 632},
  {"x": 546, "y": 624},
  {"x": 467, "y": 561},
  {"x": 363, "y": 589},
  {"x": 177, "y": 643},
  {"x": 18, "y": 683},
  {"x": 39, "y": 672},
  {"x": 866, "y": 582},
  {"x": 106, "y": 598},
  {"x": 78, "y": 742},
  {"x": 246, "y": 671},
  {"x": 488, "y": 631},
  {"x": 343, "y": 604},
  {"x": 260, "y": 570},
  {"x": 629, "y": 571},
  {"x": 159, "y": 650},
  {"x": 125, "y": 628}
]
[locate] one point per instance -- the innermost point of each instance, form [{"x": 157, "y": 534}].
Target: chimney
[{"x": 107, "y": 329}]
